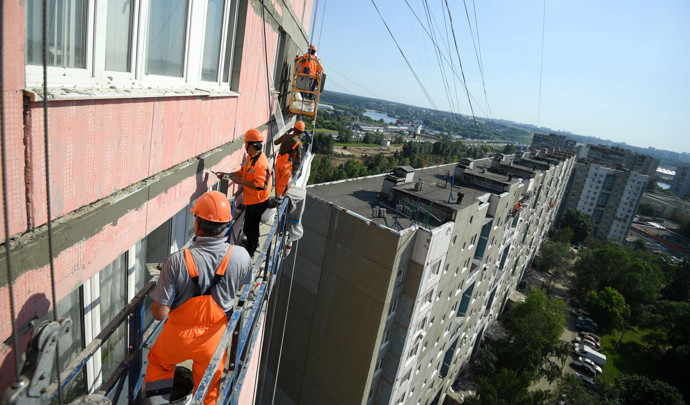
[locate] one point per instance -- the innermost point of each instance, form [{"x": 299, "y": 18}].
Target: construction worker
[
  {"x": 310, "y": 63},
  {"x": 289, "y": 157},
  {"x": 196, "y": 290},
  {"x": 255, "y": 178},
  {"x": 311, "y": 66}
]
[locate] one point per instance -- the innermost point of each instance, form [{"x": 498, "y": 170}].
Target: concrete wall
[{"x": 119, "y": 167}]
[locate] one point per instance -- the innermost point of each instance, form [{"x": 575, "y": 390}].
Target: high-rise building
[
  {"x": 552, "y": 141},
  {"x": 610, "y": 196},
  {"x": 613, "y": 156},
  {"x": 399, "y": 275},
  {"x": 681, "y": 182}
]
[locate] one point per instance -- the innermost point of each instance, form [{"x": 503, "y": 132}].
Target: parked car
[
  {"x": 582, "y": 378},
  {"x": 586, "y": 351},
  {"x": 584, "y": 319},
  {"x": 583, "y": 368},
  {"x": 585, "y": 327},
  {"x": 579, "y": 312},
  {"x": 590, "y": 363},
  {"x": 584, "y": 341},
  {"x": 596, "y": 343},
  {"x": 591, "y": 335}
]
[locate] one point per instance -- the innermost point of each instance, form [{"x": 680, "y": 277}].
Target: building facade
[
  {"x": 681, "y": 182},
  {"x": 610, "y": 196},
  {"x": 401, "y": 274},
  {"x": 552, "y": 141},
  {"x": 143, "y": 98}
]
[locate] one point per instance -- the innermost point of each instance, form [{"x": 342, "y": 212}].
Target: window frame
[{"x": 95, "y": 75}]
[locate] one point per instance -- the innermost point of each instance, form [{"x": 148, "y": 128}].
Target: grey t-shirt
[{"x": 175, "y": 286}]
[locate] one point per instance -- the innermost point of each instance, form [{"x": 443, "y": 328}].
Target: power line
[
  {"x": 477, "y": 52},
  {"x": 426, "y": 93},
  {"x": 446, "y": 58},
  {"x": 464, "y": 81}
]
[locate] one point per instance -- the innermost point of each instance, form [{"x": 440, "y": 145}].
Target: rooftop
[{"x": 412, "y": 203}]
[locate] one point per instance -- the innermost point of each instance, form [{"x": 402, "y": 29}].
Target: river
[{"x": 379, "y": 116}]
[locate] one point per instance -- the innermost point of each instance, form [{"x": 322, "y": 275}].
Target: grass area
[
  {"x": 325, "y": 131},
  {"x": 357, "y": 145},
  {"x": 630, "y": 357}
]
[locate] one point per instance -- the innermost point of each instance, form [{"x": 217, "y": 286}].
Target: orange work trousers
[
  {"x": 192, "y": 332},
  {"x": 283, "y": 172}
]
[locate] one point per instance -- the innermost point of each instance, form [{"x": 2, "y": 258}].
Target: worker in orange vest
[
  {"x": 289, "y": 158},
  {"x": 310, "y": 63},
  {"x": 255, "y": 179},
  {"x": 196, "y": 291}
]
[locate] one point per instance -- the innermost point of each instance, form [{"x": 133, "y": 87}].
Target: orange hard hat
[
  {"x": 253, "y": 135},
  {"x": 299, "y": 125},
  {"x": 213, "y": 206},
  {"x": 313, "y": 48}
]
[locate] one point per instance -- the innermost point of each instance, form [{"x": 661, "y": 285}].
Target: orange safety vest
[
  {"x": 192, "y": 331},
  {"x": 309, "y": 61},
  {"x": 284, "y": 170},
  {"x": 259, "y": 174}
]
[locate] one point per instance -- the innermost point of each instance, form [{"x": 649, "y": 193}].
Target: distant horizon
[{"x": 547, "y": 129}]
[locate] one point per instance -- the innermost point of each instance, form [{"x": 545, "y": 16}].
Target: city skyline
[{"x": 613, "y": 71}]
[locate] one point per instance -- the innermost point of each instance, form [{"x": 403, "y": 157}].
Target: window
[
  {"x": 413, "y": 351},
  {"x": 379, "y": 364},
  {"x": 400, "y": 276},
  {"x": 406, "y": 377},
  {"x": 435, "y": 268},
  {"x": 429, "y": 297},
  {"x": 136, "y": 43},
  {"x": 421, "y": 324},
  {"x": 386, "y": 336},
  {"x": 394, "y": 305}
]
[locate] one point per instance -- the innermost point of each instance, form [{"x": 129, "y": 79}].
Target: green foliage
[
  {"x": 553, "y": 257},
  {"x": 640, "y": 390},
  {"x": 685, "y": 229},
  {"x": 608, "y": 308},
  {"x": 678, "y": 288},
  {"x": 564, "y": 235},
  {"x": 509, "y": 149},
  {"x": 506, "y": 387},
  {"x": 535, "y": 327},
  {"x": 322, "y": 144},
  {"x": 581, "y": 224},
  {"x": 646, "y": 209},
  {"x": 570, "y": 391}
]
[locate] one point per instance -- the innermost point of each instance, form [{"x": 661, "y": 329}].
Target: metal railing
[{"x": 131, "y": 370}]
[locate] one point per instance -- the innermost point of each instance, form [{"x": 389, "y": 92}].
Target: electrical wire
[
  {"x": 446, "y": 58},
  {"x": 464, "y": 81},
  {"x": 426, "y": 93},
  {"x": 49, "y": 219},
  {"x": 541, "y": 62},
  {"x": 5, "y": 200},
  {"x": 477, "y": 52}
]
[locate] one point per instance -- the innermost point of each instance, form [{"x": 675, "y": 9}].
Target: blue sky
[{"x": 618, "y": 70}]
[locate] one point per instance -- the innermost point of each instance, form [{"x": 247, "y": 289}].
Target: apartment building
[
  {"x": 610, "y": 196},
  {"x": 619, "y": 158},
  {"x": 681, "y": 182},
  {"x": 552, "y": 141},
  {"x": 143, "y": 98},
  {"x": 399, "y": 275}
]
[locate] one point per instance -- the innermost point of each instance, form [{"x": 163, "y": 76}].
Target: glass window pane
[
  {"x": 230, "y": 41},
  {"x": 66, "y": 33},
  {"x": 214, "y": 26},
  {"x": 71, "y": 344},
  {"x": 166, "y": 36},
  {"x": 118, "y": 33},
  {"x": 112, "y": 291}
]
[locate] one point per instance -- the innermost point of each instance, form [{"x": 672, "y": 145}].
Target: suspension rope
[
  {"x": 541, "y": 61},
  {"x": 6, "y": 209},
  {"x": 323, "y": 18},
  {"x": 48, "y": 202},
  {"x": 282, "y": 336}
]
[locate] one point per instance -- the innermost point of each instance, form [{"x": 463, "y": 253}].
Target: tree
[
  {"x": 535, "y": 327},
  {"x": 678, "y": 288},
  {"x": 581, "y": 224},
  {"x": 509, "y": 148},
  {"x": 640, "y": 390},
  {"x": 601, "y": 267},
  {"x": 646, "y": 209},
  {"x": 553, "y": 256},
  {"x": 608, "y": 307},
  {"x": 506, "y": 387},
  {"x": 570, "y": 391},
  {"x": 323, "y": 144},
  {"x": 564, "y": 235}
]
